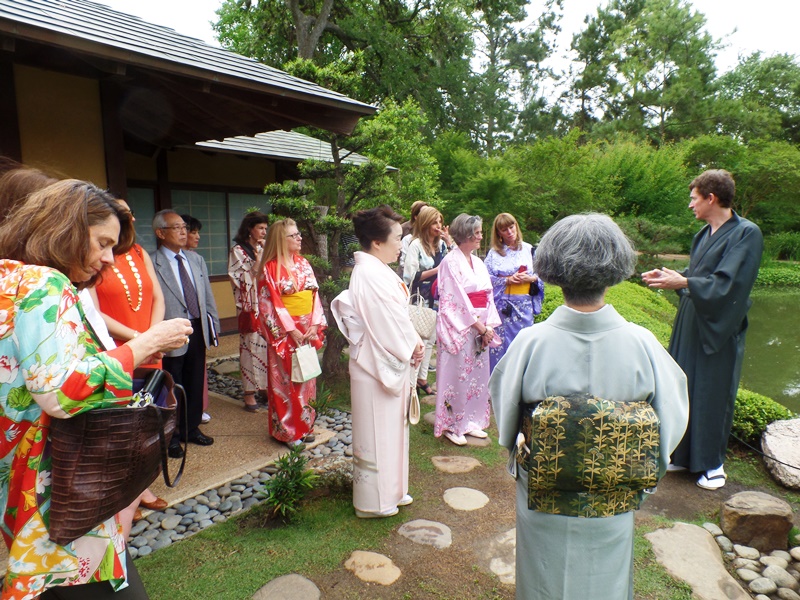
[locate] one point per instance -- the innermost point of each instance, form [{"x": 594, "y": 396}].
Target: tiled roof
[
  {"x": 282, "y": 145},
  {"x": 95, "y": 29}
]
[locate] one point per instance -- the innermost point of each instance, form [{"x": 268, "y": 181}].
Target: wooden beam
[
  {"x": 10, "y": 143},
  {"x": 113, "y": 139}
]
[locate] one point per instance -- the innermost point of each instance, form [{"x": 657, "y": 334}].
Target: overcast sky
[{"x": 746, "y": 26}]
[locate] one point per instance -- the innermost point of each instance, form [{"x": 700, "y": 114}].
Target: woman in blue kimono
[{"x": 510, "y": 265}]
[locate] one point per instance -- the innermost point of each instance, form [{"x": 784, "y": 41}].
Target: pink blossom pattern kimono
[
  {"x": 462, "y": 372},
  {"x": 373, "y": 315},
  {"x": 290, "y": 416}
]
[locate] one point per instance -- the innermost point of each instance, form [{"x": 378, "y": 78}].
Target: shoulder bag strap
[{"x": 180, "y": 396}]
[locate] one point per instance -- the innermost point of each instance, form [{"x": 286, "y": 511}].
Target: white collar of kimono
[{"x": 603, "y": 319}]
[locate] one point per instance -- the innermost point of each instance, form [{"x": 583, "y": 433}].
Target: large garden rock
[
  {"x": 779, "y": 441},
  {"x": 757, "y": 520}
]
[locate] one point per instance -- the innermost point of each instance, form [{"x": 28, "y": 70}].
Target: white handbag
[
  {"x": 305, "y": 364},
  {"x": 422, "y": 318}
]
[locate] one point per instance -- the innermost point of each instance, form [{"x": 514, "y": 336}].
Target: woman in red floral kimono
[{"x": 291, "y": 315}]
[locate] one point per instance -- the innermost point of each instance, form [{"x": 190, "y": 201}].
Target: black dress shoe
[
  {"x": 200, "y": 439},
  {"x": 175, "y": 451}
]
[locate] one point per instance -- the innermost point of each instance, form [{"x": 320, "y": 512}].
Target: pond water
[{"x": 772, "y": 350}]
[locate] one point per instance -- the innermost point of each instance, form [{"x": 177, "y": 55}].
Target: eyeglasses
[
  {"x": 295, "y": 235},
  {"x": 177, "y": 227}
]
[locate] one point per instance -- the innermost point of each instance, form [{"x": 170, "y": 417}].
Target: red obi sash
[{"x": 479, "y": 299}]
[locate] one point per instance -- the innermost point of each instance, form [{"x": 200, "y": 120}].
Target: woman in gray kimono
[{"x": 585, "y": 346}]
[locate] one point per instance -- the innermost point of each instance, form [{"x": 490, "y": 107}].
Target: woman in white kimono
[
  {"x": 464, "y": 330},
  {"x": 583, "y": 347},
  {"x": 373, "y": 315}
]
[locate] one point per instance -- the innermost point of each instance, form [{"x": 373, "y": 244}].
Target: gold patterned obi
[
  {"x": 589, "y": 457},
  {"x": 299, "y": 303},
  {"x": 518, "y": 289}
]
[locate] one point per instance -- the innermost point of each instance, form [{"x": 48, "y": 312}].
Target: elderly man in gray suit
[{"x": 187, "y": 293}]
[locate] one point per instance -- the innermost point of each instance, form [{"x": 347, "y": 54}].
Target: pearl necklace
[{"x": 124, "y": 283}]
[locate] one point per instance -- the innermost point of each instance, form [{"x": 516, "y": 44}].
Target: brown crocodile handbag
[{"x": 103, "y": 459}]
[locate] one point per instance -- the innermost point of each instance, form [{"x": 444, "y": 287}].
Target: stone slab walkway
[{"x": 691, "y": 554}]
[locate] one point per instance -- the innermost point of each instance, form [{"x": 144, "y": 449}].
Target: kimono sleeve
[
  {"x": 721, "y": 298},
  {"x": 456, "y": 314},
  {"x": 670, "y": 399},
  {"x": 388, "y": 321},
  {"x": 493, "y": 267},
  {"x": 505, "y": 390},
  {"x": 62, "y": 373}
]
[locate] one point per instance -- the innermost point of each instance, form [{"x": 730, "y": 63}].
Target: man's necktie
[{"x": 189, "y": 293}]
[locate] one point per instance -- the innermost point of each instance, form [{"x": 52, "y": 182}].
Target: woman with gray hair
[
  {"x": 464, "y": 329},
  {"x": 584, "y": 347}
]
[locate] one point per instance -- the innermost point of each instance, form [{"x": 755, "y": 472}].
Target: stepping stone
[
  {"x": 478, "y": 442},
  {"x": 689, "y": 553},
  {"x": 430, "y": 417},
  {"x": 462, "y": 498},
  {"x": 426, "y": 532},
  {"x": 289, "y": 587},
  {"x": 429, "y": 400},
  {"x": 503, "y": 551},
  {"x": 227, "y": 367},
  {"x": 372, "y": 567},
  {"x": 455, "y": 464}
]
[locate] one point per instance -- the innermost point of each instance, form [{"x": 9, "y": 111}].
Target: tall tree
[
  {"x": 760, "y": 98},
  {"x": 649, "y": 68},
  {"x": 419, "y": 49},
  {"x": 511, "y": 66}
]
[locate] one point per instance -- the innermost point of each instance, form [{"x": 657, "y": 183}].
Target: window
[
  {"x": 142, "y": 203},
  {"x": 219, "y": 212}
]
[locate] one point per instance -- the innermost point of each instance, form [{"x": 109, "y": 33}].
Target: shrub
[
  {"x": 284, "y": 492},
  {"x": 753, "y": 412},
  {"x": 783, "y": 246},
  {"x": 774, "y": 275}
]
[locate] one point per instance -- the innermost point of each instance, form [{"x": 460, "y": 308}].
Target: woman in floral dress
[
  {"x": 252, "y": 344},
  {"x": 51, "y": 366},
  {"x": 464, "y": 331},
  {"x": 290, "y": 314}
]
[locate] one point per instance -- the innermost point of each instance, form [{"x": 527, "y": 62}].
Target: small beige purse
[{"x": 305, "y": 364}]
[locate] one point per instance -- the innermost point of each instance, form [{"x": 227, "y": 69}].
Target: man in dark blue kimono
[{"x": 708, "y": 335}]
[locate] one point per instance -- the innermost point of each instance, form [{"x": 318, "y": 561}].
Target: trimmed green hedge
[
  {"x": 753, "y": 412},
  {"x": 774, "y": 275}
]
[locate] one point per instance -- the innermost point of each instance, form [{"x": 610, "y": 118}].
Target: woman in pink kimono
[
  {"x": 465, "y": 330},
  {"x": 384, "y": 353},
  {"x": 290, "y": 315}
]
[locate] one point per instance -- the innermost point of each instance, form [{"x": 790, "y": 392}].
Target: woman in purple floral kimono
[
  {"x": 510, "y": 265},
  {"x": 465, "y": 330}
]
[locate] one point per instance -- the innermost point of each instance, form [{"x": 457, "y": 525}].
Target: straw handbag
[{"x": 422, "y": 317}]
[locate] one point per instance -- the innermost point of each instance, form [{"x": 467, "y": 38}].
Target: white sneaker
[
  {"x": 206, "y": 418},
  {"x": 458, "y": 440},
  {"x": 405, "y": 500},
  {"x": 712, "y": 479}
]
